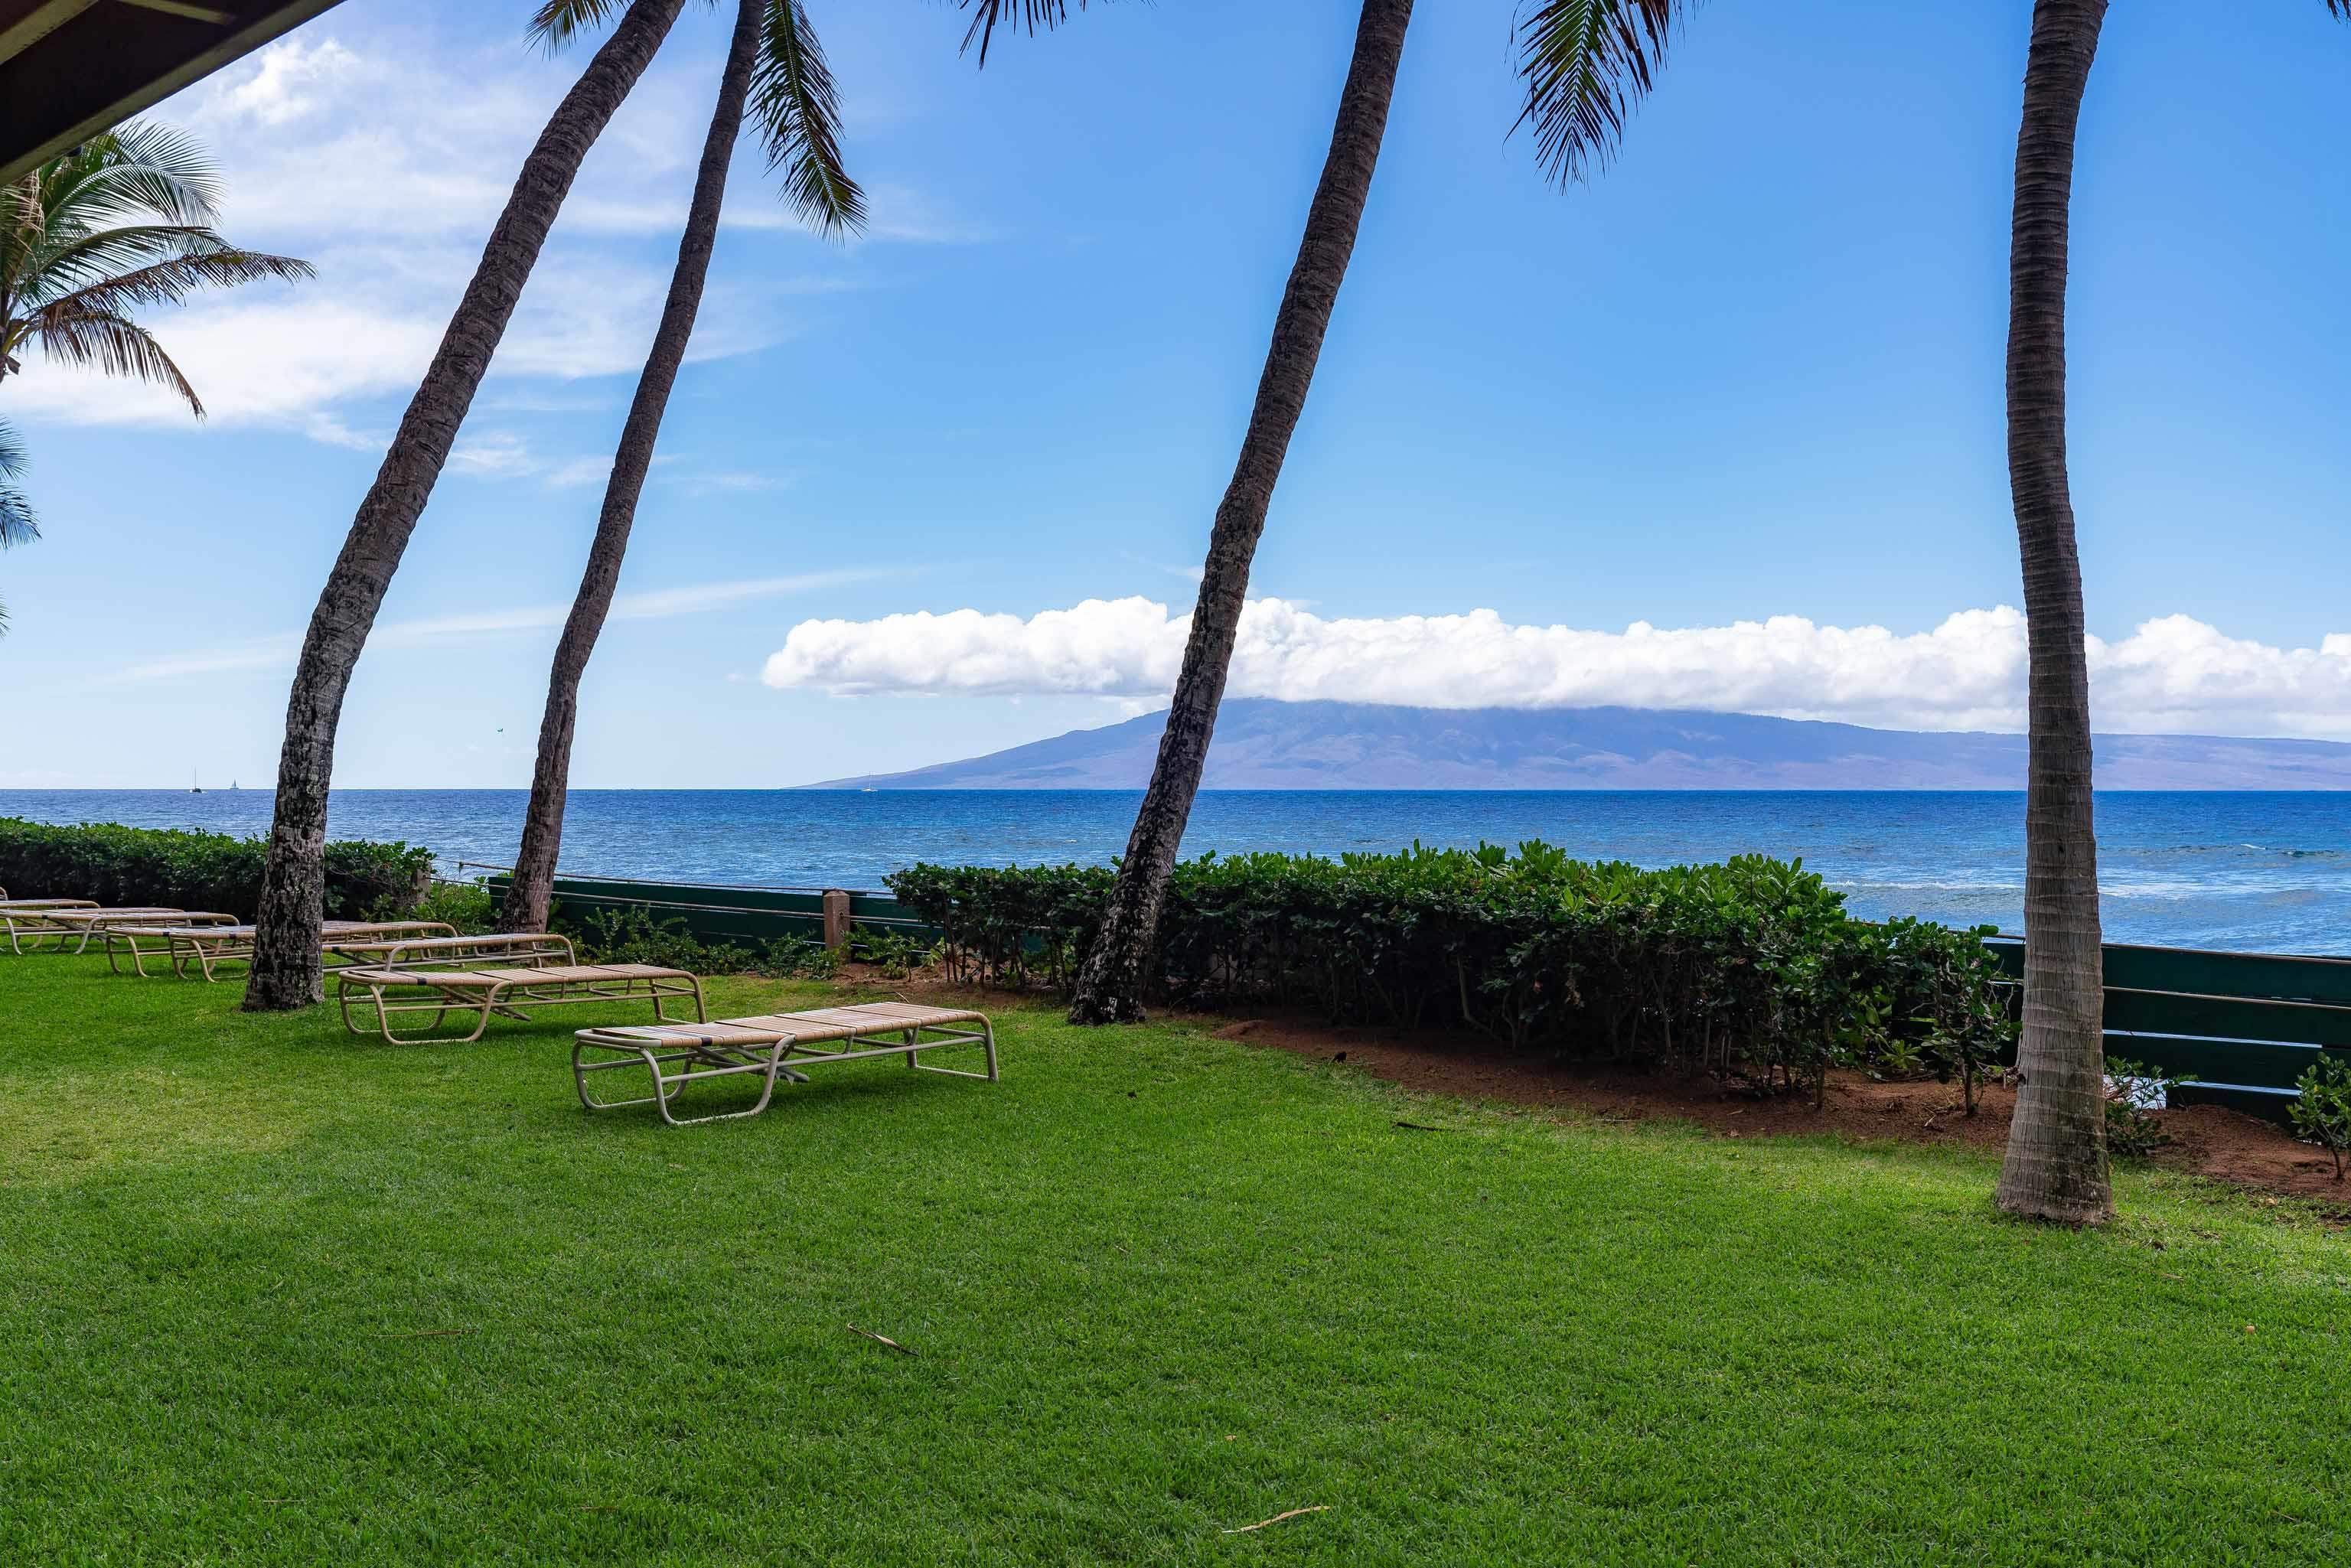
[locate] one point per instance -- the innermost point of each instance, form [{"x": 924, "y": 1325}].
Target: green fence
[
  {"x": 748, "y": 916},
  {"x": 2244, "y": 1024}
]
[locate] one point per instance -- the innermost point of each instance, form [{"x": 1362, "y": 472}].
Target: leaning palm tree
[
  {"x": 123, "y": 221},
  {"x": 285, "y": 970},
  {"x": 775, "y": 66},
  {"x": 2056, "y": 1167},
  {"x": 1584, "y": 63},
  {"x": 286, "y": 965}
]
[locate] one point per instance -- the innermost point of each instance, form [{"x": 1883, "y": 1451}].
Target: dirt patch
[{"x": 2207, "y": 1139}]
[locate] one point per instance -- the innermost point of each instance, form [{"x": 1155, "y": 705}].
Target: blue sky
[{"x": 939, "y": 491}]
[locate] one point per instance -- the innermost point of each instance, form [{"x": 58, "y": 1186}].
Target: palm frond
[
  {"x": 116, "y": 347},
  {"x": 1585, "y": 64},
  {"x": 798, "y": 110},
  {"x": 138, "y": 168},
  {"x": 60, "y": 264},
  {"x": 17, "y": 524},
  {"x": 558, "y": 24},
  {"x": 170, "y": 281},
  {"x": 1032, "y": 15}
]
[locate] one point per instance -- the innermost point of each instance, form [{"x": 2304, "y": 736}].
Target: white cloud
[
  {"x": 2175, "y": 674},
  {"x": 384, "y": 155}
]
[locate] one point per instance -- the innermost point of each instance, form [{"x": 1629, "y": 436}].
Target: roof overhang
[{"x": 71, "y": 68}]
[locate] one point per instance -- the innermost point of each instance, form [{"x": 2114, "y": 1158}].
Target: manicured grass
[{"x": 1161, "y": 1286}]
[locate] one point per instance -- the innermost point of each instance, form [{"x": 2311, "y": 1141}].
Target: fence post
[{"x": 836, "y": 919}]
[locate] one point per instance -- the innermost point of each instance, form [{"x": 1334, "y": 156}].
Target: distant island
[{"x": 1262, "y": 744}]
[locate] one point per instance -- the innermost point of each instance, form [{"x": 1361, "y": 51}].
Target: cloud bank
[
  {"x": 2172, "y": 675},
  {"x": 384, "y": 155}
]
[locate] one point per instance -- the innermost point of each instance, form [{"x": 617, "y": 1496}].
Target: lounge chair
[
  {"x": 79, "y": 924},
  {"x": 208, "y": 947},
  {"x": 482, "y": 991},
  {"x": 777, "y": 1045}
]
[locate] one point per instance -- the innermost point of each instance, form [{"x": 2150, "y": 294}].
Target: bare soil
[{"x": 2207, "y": 1140}]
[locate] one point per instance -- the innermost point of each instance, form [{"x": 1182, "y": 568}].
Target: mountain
[{"x": 1262, "y": 744}]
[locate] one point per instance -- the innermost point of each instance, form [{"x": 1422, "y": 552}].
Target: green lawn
[{"x": 1161, "y": 1286}]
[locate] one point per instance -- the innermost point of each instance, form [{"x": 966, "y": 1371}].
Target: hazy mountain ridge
[{"x": 1262, "y": 744}]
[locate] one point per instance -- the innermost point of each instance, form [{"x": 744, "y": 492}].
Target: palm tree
[
  {"x": 122, "y": 221},
  {"x": 286, "y": 965},
  {"x": 17, "y": 524},
  {"x": 2055, "y": 1168},
  {"x": 286, "y": 969},
  {"x": 774, "y": 54},
  {"x": 1584, "y": 63}
]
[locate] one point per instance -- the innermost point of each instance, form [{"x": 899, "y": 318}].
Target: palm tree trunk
[
  {"x": 2056, "y": 1163},
  {"x": 286, "y": 966},
  {"x": 1110, "y": 989},
  {"x": 529, "y": 894}
]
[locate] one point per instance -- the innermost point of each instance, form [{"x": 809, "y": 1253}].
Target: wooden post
[{"x": 836, "y": 920}]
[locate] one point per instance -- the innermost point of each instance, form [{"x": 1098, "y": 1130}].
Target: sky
[{"x": 1720, "y": 428}]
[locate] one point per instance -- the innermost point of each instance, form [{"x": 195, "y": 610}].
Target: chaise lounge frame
[
  {"x": 78, "y": 923},
  {"x": 481, "y": 992},
  {"x": 773, "y": 1046},
  {"x": 207, "y": 945}
]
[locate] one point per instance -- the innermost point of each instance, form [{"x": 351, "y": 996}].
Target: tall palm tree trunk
[
  {"x": 2057, "y": 1163},
  {"x": 286, "y": 964},
  {"x": 542, "y": 829},
  {"x": 1110, "y": 989}
]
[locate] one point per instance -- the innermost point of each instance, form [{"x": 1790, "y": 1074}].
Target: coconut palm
[
  {"x": 1584, "y": 63},
  {"x": 285, "y": 971},
  {"x": 286, "y": 966},
  {"x": 16, "y": 525},
  {"x": 2055, "y": 1168},
  {"x": 774, "y": 65},
  {"x": 124, "y": 220}
]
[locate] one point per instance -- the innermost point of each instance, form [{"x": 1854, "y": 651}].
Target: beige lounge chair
[
  {"x": 206, "y": 947},
  {"x": 773, "y": 1046},
  {"x": 482, "y": 991},
  {"x": 77, "y": 924}
]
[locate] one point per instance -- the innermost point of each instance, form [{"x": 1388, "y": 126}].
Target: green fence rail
[
  {"x": 748, "y": 917},
  {"x": 2245, "y": 1025}
]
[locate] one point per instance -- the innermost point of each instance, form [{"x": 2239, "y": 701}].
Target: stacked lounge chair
[
  {"x": 204, "y": 947},
  {"x": 67, "y": 926}
]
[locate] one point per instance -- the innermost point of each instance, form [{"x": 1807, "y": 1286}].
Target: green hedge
[
  {"x": 120, "y": 865},
  {"x": 1752, "y": 970}
]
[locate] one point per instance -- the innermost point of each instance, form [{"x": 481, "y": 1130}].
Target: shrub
[
  {"x": 630, "y": 934},
  {"x": 120, "y": 865},
  {"x": 465, "y": 906},
  {"x": 2323, "y": 1115},
  {"x": 1750, "y": 970},
  {"x": 2135, "y": 1092}
]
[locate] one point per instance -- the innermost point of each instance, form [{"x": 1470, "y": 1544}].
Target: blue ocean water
[{"x": 2251, "y": 872}]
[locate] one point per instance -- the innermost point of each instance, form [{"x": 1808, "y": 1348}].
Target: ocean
[{"x": 2250, "y": 872}]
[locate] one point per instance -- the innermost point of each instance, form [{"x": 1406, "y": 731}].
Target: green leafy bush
[
  {"x": 1751, "y": 968},
  {"x": 120, "y": 865},
  {"x": 630, "y": 934},
  {"x": 2135, "y": 1092},
  {"x": 466, "y": 906},
  {"x": 2323, "y": 1115}
]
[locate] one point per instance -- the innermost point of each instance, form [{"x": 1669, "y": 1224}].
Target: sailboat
[{"x": 193, "y": 788}]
